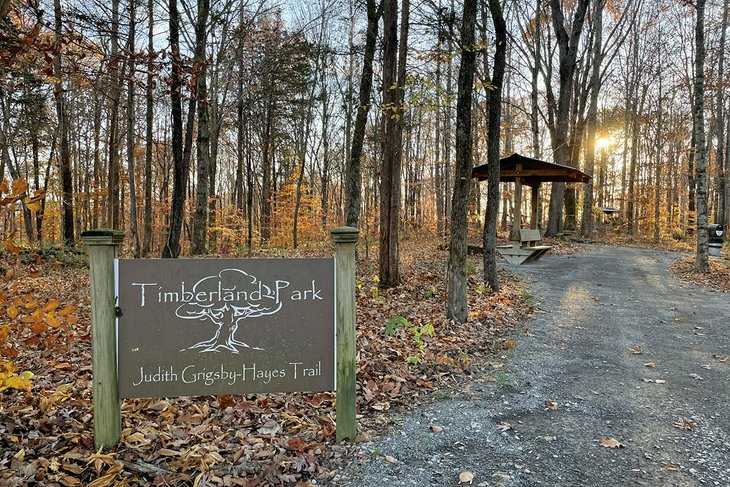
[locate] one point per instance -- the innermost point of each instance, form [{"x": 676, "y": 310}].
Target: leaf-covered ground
[
  {"x": 407, "y": 351},
  {"x": 716, "y": 277}
]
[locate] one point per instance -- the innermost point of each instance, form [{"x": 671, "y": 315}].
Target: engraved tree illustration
[{"x": 240, "y": 296}]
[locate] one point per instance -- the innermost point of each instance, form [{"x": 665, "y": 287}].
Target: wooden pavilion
[{"x": 523, "y": 170}]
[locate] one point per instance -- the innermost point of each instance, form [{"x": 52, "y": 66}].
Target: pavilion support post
[
  {"x": 533, "y": 206},
  {"x": 518, "y": 207}
]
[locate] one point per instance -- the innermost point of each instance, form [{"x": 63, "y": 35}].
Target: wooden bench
[{"x": 526, "y": 250}]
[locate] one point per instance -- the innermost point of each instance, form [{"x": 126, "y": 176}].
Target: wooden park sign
[{"x": 191, "y": 327}]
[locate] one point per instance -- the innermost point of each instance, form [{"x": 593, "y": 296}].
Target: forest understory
[{"x": 407, "y": 353}]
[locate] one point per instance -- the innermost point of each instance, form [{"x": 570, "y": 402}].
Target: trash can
[{"x": 715, "y": 234}]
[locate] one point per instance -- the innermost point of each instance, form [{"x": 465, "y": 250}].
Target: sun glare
[{"x": 602, "y": 143}]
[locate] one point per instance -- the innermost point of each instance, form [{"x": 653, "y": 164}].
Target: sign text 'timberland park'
[{"x": 191, "y": 327}]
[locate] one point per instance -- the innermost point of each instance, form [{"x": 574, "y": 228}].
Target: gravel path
[{"x": 593, "y": 307}]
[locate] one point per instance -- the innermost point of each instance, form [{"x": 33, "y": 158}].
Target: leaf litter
[{"x": 46, "y": 425}]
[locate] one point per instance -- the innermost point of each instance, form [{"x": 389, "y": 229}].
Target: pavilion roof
[{"x": 533, "y": 171}]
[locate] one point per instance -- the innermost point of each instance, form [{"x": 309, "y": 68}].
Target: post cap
[
  {"x": 102, "y": 236},
  {"x": 344, "y": 234}
]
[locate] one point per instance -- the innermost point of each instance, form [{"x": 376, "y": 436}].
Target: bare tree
[
  {"x": 149, "y": 117},
  {"x": 180, "y": 167},
  {"x": 568, "y": 43},
  {"x": 394, "y": 71},
  {"x": 698, "y": 112},
  {"x": 202, "y": 146},
  {"x": 493, "y": 138},
  {"x": 115, "y": 95},
  {"x": 595, "y": 85},
  {"x": 61, "y": 113},
  {"x": 458, "y": 308},
  {"x": 353, "y": 174},
  {"x": 133, "y": 230}
]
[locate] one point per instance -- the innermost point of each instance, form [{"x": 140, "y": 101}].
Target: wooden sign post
[
  {"x": 345, "y": 239},
  {"x": 103, "y": 246}
]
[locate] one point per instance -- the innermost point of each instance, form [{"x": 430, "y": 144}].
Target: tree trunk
[
  {"x": 202, "y": 146},
  {"x": 587, "y": 220},
  {"x": 240, "y": 146},
  {"x": 115, "y": 95},
  {"x": 438, "y": 163},
  {"x": 701, "y": 262},
  {"x": 658, "y": 149},
  {"x": 631, "y": 206},
  {"x": 568, "y": 50},
  {"x": 96, "y": 182},
  {"x": 149, "y": 146},
  {"x": 353, "y": 175},
  {"x": 534, "y": 86},
  {"x": 493, "y": 135},
  {"x": 266, "y": 165},
  {"x": 722, "y": 169},
  {"x": 394, "y": 57},
  {"x": 64, "y": 152},
  {"x": 457, "y": 306},
  {"x": 446, "y": 171},
  {"x": 133, "y": 230},
  {"x": 325, "y": 146},
  {"x": 180, "y": 168}
]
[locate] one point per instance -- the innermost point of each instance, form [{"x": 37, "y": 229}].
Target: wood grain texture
[
  {"x": 107, "y": 414},
  {"x": 345, "y": 239}
]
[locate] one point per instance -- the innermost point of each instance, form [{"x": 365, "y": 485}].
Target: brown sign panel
[{"x": 192, "y": 327}]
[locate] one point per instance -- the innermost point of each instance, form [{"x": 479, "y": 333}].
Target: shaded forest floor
[{"x": 407, "y": 353}]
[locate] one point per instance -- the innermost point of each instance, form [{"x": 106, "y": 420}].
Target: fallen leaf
[
  {"x": 650, "y": 364},
  {"x": 270, "y": 428},
  {"x": 551, "y": 405},
  {"x": 69, "y": 481},
  {"x": 636, "y": 350},
  {"x": 67, "y": 310},
  {"x": 51, "y": 305},
  {"x": 390, "y": 459},
  {"x": 684, "y": 424},
  {"x": 669, "y": 468},
  {"x": 466, "y": 477},
  {"x": 10, "y": 246},
  {"x": 505, "y": 426},
  {"x": 596, "y": 299},
  {"x": 16, "y": 382},
  {"x": 611, "y": 443}
]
